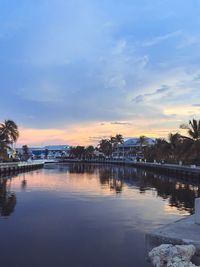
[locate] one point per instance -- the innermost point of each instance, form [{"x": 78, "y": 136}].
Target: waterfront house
[{"x": 131, "y": 148}]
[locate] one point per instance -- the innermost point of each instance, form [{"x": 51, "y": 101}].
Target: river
[{"x": 80, "y": 215}]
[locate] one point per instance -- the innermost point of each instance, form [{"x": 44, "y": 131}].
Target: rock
[{"x": 168, "y": 255}]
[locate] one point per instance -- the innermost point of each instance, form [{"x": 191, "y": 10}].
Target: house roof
[
  {"x": 135, "y": 142},
  {"x": 57, "y": 147}
]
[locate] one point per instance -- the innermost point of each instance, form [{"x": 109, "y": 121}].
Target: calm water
[{"x": 86, "y": 215}]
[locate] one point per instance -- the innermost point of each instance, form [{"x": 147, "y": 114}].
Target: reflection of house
[
  {"x": 131, "y": 148},
  {"x": 49, "y": 152}
]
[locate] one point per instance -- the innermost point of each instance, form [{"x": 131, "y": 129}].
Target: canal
[{"x": 80, "y": 215}]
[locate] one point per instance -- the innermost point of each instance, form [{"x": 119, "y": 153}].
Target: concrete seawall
[
  {"x": 14, "y": 167},
  {"x": 169, "y": 169},
  {"x": 182, "y": 232}
]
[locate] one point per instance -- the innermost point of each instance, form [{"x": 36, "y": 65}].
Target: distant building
[
  {"x": 49, "y": 152},
  {"x": 98, "y": 154},
  {"x": 57, "y": 151},
  {"x": 131, "y": 148}
]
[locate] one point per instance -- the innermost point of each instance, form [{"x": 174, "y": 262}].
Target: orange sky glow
[{"x": 89, "y": 133}]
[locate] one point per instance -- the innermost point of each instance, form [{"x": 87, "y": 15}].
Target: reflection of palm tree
[
  {"x": 112, "y": 177},
  {"x": 24, "y": 184},
  {"x": 116, "y": 185},
  {"x": 7, "y": 199}
]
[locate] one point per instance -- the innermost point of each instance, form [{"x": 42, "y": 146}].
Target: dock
[{"x": 15, "y": 167}]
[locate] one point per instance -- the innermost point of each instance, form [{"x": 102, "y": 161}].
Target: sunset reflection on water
[{"x": 85, "y": 208}]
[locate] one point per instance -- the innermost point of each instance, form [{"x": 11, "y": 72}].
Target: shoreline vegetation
[{"x": 177, "y": 149}]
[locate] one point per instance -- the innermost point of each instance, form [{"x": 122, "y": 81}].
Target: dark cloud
[
  {"x": 196, "y": 105},
  {"x": 121, "y": 123},
  {"x": 141, "y": 98}
]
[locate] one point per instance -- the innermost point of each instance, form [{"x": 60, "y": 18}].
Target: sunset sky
[{"x": 74, "y": 71}]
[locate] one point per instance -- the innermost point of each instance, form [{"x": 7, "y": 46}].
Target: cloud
[
  {"x": 196, "y": 105},
  {"x": 159, "y": 39},
  {"x": 120, "y": 123},
  {"x": 87, "y": 62},
  {"x": 141, "y": 98}
]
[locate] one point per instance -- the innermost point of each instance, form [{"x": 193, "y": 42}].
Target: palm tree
[
  {"x": 77, "y": 152},
  {"x": 9, "y": 134},
  {"x": 191, "y": 147},
  {"x": 119, "y": 139},
  {"x": 89, "y": 151},
  {"x": 9, "y": 130},
  {"x": 25, "y": 152},
  {"x": 174, "y": 139},
  {"x": 193, "y": 129},
  {"x": 4, "y": 147},
  {"x": 160, "y": 151},
  {"x": 105, "y": 146},
  {"x": 142, "y": 141},
  {"x": 175, "y": 142}
]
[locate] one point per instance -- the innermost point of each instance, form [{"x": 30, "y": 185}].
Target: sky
[{"x": 75, "y": 71}]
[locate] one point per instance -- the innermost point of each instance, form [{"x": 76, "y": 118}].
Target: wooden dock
[{"x": 14, "y": 167}]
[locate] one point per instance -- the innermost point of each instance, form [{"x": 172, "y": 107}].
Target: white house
[{"x": 131, "y": 148}]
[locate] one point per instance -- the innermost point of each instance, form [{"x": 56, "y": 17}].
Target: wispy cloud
[
  {"x": 142, "y": 97},
  {"x": 158, "y": 39},
  {"x": 121, "y": 123}
]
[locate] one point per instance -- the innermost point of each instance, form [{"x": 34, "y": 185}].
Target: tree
[
  {"x": 175, "y": 143},
  {"x": 9, "y": 131},
  {"x": 191, "y": 144},
  {"x": 46, "y": 153},
  {"x": 89, "y": 151},
  {"x": 77, "y": 151},
  {"x": 159, "y": 151},
  {"x": 174, "y": 139},
  {"x": 193, "y": 129},
  {"x": 142, "y": 141},
  {"x": 4, "y": 147},
  {"x": 9, "y": 134},
  {"x": 105, "y": 146},
  {"x": 25, "y": 152},
  {"x": 117, "y": 139}
]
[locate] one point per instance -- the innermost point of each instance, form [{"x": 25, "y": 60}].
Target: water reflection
[
  {"x": 7, "y": 198},
  {"x": 87, "y": 215},
  {"x": 180, "y": 193}
]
